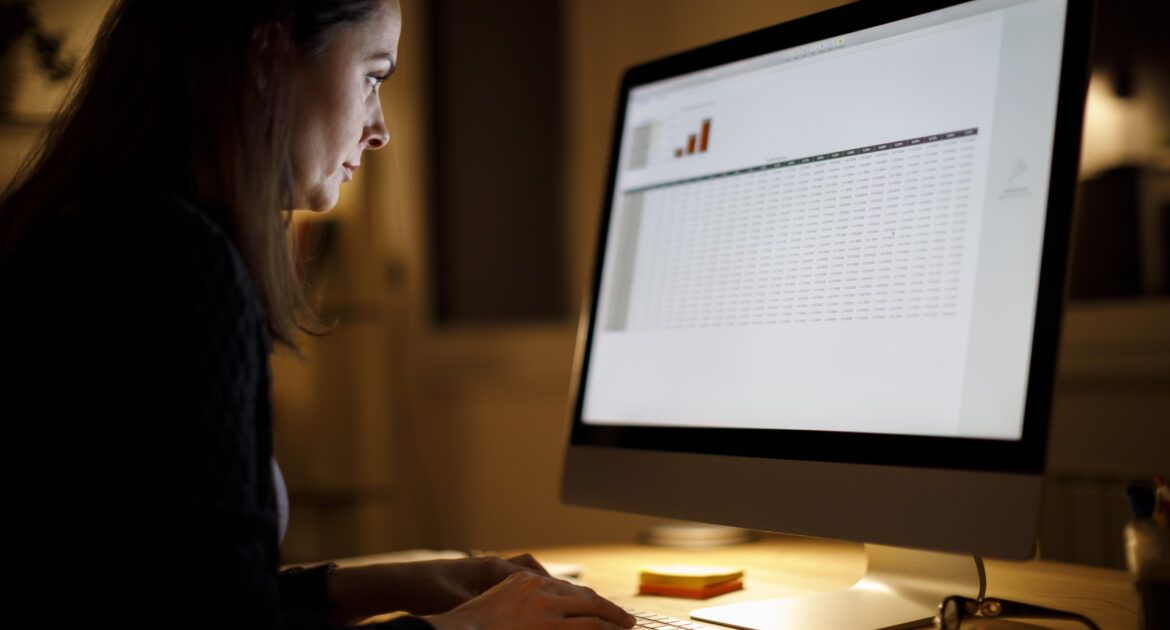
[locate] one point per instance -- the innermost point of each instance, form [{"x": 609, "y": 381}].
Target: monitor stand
[{"x": 901, "y": 588}]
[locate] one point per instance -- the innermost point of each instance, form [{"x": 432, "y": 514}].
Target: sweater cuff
[{"x": 304, "y": 588}]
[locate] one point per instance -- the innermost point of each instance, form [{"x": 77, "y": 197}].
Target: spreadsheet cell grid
[{"x": 875, "y": 233}]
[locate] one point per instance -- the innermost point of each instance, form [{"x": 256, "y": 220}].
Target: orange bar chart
[{"x": 696, "y": 142}]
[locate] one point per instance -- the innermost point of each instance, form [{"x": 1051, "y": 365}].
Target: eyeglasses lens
[{"x": 950, "y": 615}]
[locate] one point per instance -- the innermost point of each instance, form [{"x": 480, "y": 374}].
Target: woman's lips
[{"x": 347, "y": 169}]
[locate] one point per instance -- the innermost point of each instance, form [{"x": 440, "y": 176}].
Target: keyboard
[{"x": 652, "y": 620}]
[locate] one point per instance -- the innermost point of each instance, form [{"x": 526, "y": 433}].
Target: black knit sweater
[{"x": 137, "y": 429}]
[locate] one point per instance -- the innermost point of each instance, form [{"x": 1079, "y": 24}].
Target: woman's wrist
[
  {"x": 347, "y": 593},
  {"x": 357, "y": 593}
]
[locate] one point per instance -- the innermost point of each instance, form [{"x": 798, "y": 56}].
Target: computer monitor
[{"x": 830, "y": 273}]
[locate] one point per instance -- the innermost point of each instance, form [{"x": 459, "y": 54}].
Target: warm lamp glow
[{"x": 1117, "y": 130}]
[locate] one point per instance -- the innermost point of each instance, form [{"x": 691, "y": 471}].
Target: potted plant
[{"x": 19, "y": 22}]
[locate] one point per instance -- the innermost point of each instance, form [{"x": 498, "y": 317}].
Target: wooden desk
[{"x": 780, "y": 566}]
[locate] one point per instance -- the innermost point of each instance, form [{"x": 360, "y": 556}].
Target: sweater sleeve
[
  {"x": 143, "y": 481},
  {"x": 305, "y": 588}
]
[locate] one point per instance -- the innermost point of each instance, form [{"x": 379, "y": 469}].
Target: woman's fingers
[
  {"x": 565, "y": 587},
  {"x": 495, "y": 569},
  {"x": 528, "y": 562},
  {"x": 586, "y": 603},
  {"x": 527, "y": 600}
]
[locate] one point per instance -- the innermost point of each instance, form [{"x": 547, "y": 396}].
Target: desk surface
[{"x": 779, "y": 566}]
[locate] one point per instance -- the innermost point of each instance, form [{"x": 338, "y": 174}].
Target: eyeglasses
[{"x": 954, "y": 609}]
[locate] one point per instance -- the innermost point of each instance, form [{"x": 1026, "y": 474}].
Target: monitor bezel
[{"x": 1024, "y": 455}]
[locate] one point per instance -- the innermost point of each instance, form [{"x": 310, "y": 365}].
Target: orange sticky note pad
[
  {"x": 689, "y": 575},
  {"x": 671, "y": 590}
]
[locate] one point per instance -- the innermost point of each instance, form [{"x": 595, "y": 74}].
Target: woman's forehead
[
  {"x": 371, "y": 39},
  {"x": 381, "y": 29}
]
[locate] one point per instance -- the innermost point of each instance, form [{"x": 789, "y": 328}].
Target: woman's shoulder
[
  {"x": 156, "y": 220},
  {"x": 192, "y": 248},
  {"x": 124, "y": 219},
  {"x": 135, "y": 245}
]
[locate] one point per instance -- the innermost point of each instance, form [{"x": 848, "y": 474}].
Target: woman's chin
[{"x": 320, "y": 201}]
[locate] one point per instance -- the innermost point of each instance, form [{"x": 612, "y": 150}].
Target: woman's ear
[{"x": 269, "y": 42}]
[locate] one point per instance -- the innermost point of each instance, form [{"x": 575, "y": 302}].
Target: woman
[{"x": 144, "y": 270}]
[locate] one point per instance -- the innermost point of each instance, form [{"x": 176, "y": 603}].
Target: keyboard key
[{"x": 654, "y": 621}]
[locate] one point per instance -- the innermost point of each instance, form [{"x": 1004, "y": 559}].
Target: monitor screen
[
  {"x": 843, "y": 235},
  {"x": 832, "y": 263}
]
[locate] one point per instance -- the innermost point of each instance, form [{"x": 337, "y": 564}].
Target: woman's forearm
[
  {"x": 364, "y": 591},
  {"x": 421, "y": 588}
]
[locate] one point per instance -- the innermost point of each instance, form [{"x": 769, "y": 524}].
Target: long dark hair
[{"x": 195, "y": 96}]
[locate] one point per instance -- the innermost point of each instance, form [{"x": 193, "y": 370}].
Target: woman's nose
[{"x": 377, "y": 135}]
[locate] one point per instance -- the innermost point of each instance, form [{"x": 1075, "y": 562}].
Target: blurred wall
[{"x": 34, "y": 97}]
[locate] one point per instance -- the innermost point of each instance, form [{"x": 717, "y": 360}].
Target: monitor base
[{"x": 901, "y": 588}]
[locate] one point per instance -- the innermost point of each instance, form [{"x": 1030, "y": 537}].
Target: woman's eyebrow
[
  {"x": 382, "y": 55},
  {"x": 385, "y": 56}
]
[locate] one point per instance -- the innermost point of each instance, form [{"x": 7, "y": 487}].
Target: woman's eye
[{"x": 373, "y": 80}]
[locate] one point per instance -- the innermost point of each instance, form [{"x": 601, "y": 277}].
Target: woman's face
[{"x": 339, "y": 114}]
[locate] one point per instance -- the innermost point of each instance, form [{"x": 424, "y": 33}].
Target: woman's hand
[
  {"x": 422, "y": 588},
  {"x": 528, "y": 600}
]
